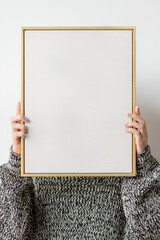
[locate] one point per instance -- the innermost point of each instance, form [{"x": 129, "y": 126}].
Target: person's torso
[{"x": 78, "y": 208}]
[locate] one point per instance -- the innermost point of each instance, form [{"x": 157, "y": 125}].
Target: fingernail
[{"x": 129, "y": 114}]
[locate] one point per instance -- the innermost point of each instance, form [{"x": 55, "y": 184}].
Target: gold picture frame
[{"x": 119, "y": 28}]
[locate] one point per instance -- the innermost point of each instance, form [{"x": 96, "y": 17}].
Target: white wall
[{"x": 144, "y": 14}]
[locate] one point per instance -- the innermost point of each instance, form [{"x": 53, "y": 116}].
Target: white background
[{"x": 143, "y": 14}]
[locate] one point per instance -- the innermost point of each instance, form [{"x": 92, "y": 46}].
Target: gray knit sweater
[{"x": 111, "y": 208}]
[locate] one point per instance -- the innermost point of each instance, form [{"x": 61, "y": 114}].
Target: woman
[{"x": 80, "y": 207}]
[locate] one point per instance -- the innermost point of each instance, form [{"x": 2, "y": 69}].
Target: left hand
[{"x": 138, "y": 128}]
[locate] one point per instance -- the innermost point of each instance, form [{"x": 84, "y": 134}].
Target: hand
[
  {"x": 138, "y": 128},
  {"x": 18, "y": 129}
]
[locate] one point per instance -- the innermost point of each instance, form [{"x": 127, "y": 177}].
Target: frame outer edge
[{"x": 25, "y": 28}]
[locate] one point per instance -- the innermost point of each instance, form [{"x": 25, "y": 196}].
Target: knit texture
[{"x": 112, "y": 208}]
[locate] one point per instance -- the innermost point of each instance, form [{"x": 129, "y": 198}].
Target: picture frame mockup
[{"x": 77, "y": 85}]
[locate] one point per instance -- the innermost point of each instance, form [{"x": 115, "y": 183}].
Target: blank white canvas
[{"x": 78, "y": 88}]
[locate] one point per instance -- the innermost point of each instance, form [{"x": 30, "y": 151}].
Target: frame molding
[{"x": 23, "y": 30}]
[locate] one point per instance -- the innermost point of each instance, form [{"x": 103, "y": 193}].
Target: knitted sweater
[{"x": 81, "y": 208}]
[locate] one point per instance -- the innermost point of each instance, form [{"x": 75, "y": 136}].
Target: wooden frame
[{"x": 119, "y": 28}]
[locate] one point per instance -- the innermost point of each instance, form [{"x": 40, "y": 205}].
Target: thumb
[
  {"x": 137, "y": 110},
  {"x": 18, "y": 112}
]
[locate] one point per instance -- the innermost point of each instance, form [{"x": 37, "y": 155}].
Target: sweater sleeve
[
  {"x": 16, "y": 201},
  {"x": 141, "y": 199}
]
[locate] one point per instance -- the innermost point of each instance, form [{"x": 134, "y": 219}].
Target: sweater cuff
[
  {"x": 15, "y": 158},
  {"x": 145, "y": 154},
  {"x": 145, "y": 161}
]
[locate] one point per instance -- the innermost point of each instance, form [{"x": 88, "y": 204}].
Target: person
[{"x": 111, "y": 208}]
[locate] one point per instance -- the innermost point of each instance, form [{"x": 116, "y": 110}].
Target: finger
[
  {"x": 18, "y": 112},
  {"x": 136, "y": 117},
  {"x": 19, "y": 118},
  {"x": 135, "y": 132},
  {"x": 135, "y": 125},
  {"x": 19, "y": 134},
  {"x": 138, "y": 110},
  {"x": 18, "y": 126},
  {"x": 138, "y": 126}
]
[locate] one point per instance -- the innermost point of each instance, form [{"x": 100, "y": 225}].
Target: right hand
[{"x": 18, "y": 129}]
